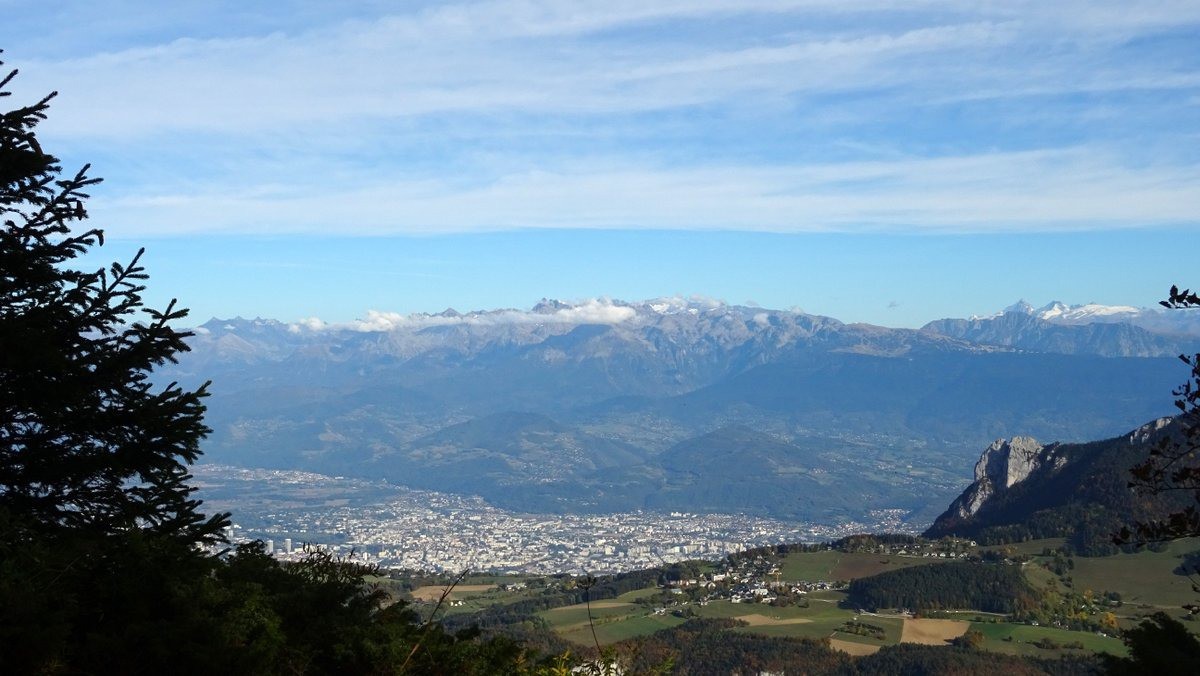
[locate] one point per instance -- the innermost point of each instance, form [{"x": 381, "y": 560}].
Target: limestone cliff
[
  {"x": 1005, "y": 463},
  {"x": 1024, "y": 490}
]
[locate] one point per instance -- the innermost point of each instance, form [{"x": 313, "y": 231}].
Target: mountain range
[
  {"x": 671, "y": 403},
  {"x": 1109, "y": 331}
]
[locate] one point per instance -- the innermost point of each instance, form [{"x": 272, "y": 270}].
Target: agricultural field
[
  {"x": 932, "y": 632},
  {"x": 474, "y": 595},
  {"x": 631, "y": 627},
  {"x": 810, "y": 566},
  {"x": 1144, "y": 578},
  {"x": 819, "y": 620},
  {"x": 852, "y": 648},
  {"x": 630, "y": 597},
  {"x": 1031, "y": 547},
  {"x": 835, "y": 565},
  {"x": 568, "y": 618},
  {"x": 1019, "y": 639},
  {"x": 612, "y": 620},
  {"x": 431, "y": 593}
]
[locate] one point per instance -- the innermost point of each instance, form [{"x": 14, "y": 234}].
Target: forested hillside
[
  {"x": 1078, "y": 491},
  {"x": 957, "y": 585}
]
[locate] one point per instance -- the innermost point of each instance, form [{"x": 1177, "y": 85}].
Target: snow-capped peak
[
  {"x": 1051, "y": 310},
  {"x": 1087, "y": 313},
  {"x": 1021, "y": 307}
]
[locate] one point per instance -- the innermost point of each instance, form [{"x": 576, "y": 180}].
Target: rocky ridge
[
  {"x": 1003, "y": 464},
  {"x": 1024, "y": 490}
]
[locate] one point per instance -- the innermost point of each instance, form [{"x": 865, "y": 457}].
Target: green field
[
  {"x": 636, "y": 594},
  {"x": 1144, "y": 578},
  {"x": 615, "y": 621},
  {"x": 810, "y": 566},
  {"x": 1031, "y": 547},
  {"x": 833, "y": 565},
  {"x": 1023, "y": 637},
  {"x": 474, "y": 601},
  {"x": 570, "y": 616},
  {"x": 822, "y": 620},
  {"x": 631, "y": 627},
  {"x": 612, "y": 621}
]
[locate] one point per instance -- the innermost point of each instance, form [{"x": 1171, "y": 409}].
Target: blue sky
[{"x": 294, "y": 159}]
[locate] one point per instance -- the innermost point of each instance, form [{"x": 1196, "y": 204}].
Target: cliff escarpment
[{"x": 1024, "y": 490}]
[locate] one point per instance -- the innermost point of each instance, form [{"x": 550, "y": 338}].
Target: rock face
[
  {"x": 1023, "y": 490},
  {"x": 1003, "y": 464}
]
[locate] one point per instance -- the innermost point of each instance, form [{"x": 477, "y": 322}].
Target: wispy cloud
[
  {"x": 747, "y": 114},
  {"x": 1038, "y": 190}
]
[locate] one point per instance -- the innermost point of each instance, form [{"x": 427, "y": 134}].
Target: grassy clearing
[
  {"x": 572, "y": 616},
  {"x": 853, "y": 647},
  {"x": 626, "y": 628},
  {"x": 854, "y": 566},
  {"x": 932, "y": 632},
  {"x": 1023, "y": 636},
  {"x": 432, "y": 593},
  {"x": 1038, "y": 576},
  {"x": 833, "y": 565},
  {"x": 1142, "y": 578},
  {"x": 735, "y": 610},
  {"x": 810, "y": 566},
  {"x": 759, "y": 620},
  {"x": 1032, "y": 547},
  {"x": 819, "y": 620},
  {"x": 629, "y": 597}
]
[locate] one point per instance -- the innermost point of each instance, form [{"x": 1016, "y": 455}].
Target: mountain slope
[
  {"x": 1024, "y": 490},
  {"x": 1031, "y": 331},
  {"x": 584, "y": 407}
]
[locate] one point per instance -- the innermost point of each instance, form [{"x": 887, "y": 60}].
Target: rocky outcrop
[
  {"x": 1023, "y": 490},
  {"x": 1005, "y": 463},
  {"x": 1145, "y": 433}
]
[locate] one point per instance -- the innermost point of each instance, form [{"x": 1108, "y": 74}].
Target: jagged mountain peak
[{"x": 1021, "y": 307}]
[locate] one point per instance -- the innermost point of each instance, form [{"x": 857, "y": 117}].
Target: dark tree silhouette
[
  {"x": 1159, "y": 645},
  {"x": 1173, "y": 464},
  {"x": 102, "y": 568},
  {"x": 86, "y": 439}
]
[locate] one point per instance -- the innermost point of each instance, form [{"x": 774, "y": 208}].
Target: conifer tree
[
  {"x": 99, "y": 569},
  {"x": 88, "y": 442}
]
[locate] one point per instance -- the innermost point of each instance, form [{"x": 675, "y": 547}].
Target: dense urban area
[{"x": 397, "y": 527}]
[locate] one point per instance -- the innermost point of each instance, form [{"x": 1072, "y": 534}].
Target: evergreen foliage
[
  {"x": 709, "y": 646},
  {"x": 86, "y": 440},
  {"x": 1159, "y": 645},
  {"x": 1173, "y": 465},
  {"x": 908, "y": 659},
  {"x": 978, "y": 586},
  {"x": 106, "y": 562}
]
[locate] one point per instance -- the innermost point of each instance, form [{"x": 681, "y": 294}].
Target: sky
[{"x": 873, "y": 161}]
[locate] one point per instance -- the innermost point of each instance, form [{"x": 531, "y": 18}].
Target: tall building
[
  {"x": 270, "y": 546},
  {"x": 287, "y": 545}
]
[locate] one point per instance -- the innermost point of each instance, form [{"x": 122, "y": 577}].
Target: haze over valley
[{"x": 676, "y": 405}]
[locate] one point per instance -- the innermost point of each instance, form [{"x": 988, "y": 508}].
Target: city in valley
[{"x": 397, "y": 527}]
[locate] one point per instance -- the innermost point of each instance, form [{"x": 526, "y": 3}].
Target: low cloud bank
[{"x": 591, "y": 311}]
